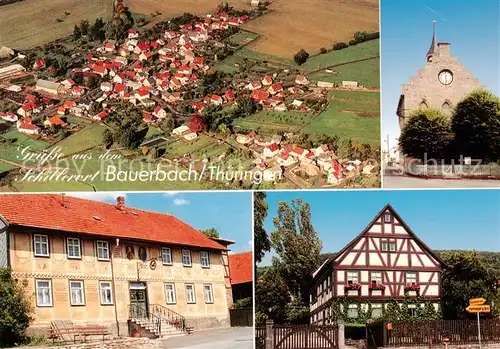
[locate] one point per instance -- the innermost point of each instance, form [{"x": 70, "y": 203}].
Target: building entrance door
[{"x": 139, "y": 299}]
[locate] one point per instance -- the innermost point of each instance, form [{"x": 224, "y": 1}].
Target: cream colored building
[{"x": 90, "y": 262}]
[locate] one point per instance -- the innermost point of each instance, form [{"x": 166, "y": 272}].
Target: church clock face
[{"x": 445, "y": 77}]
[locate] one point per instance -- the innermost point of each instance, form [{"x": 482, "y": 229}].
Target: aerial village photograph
[
  {"x": 399, "y": 269},
  {"x": 247, "y": 94},
  {"x": 441, "y": 105},
  {"x": 143, "y": 270}
]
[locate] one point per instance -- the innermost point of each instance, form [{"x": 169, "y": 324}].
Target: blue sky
[
  {"x": 443, "y": 219},
  {"x": 471, "y": 26},
  {"x": 228, "y": 212}
]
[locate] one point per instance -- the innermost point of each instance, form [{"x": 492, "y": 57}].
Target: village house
[
  {"x": 27, "y": 128},
  {"x": 301, "y": 80},
  {"x": 241, "y": 275},
  {"x": 350, "y": 84},
  {"x": 271, "y": 150},
  {"x": 79, "y": 263},
  {"x": 190, "y": 136},
  {"x": 9, "y": 116},
  {"x": 386, "y": 261},
  {"x": 54, "y": 121},
  {"x": 243, "y": 138}
]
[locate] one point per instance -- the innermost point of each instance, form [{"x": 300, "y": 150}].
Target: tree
[
  {"x": 297, "y": 247},
  {"x": 466, "y": 276},
  {"x": 168, "y": 125},
  {"x": 93, "y": 81},
  {"x": 107, "y": 137},
  {"x": 426, "y": 134},
  {"x": 262, "y": 244},
  {"x": 243, "y": 303},
  {"x": 77, "y": 34},
  {"x": 272, "y": 295},
  {"x": 15, "y": 310},
  {"x": 197, "y": 123},
  {"x": 476, "y": 125},
  {"x": 245, "y": 107},
  {"x": 211, "y": 233},
  {"x": 301, "y": 57}
]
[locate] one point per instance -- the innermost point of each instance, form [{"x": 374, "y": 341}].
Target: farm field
[
  {"x": 231, "y": 64},
  {"x": 11, "y": 152},
  {"x": 350, "y": 115},
  {"x": 5, "y": 167},
  {"x": 357, "y": 52},
  {"x": 34, "y": 22},
  {"x": 243, "y": 37},
  {"x": 310, "y": 24},
  {"x": 89, "y": 137},
  {"x": 269, "y": 122},
  {"x": 367, "y": 73}
]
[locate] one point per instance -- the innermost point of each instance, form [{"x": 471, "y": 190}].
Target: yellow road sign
[
  {"x": 477, "y": 301},
  {"x": 478, "y": 308}
]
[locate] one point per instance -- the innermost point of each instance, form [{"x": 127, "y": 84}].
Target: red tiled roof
[
  {"x": 51, "y": 212},
  {"x": 240, "y": 267}
]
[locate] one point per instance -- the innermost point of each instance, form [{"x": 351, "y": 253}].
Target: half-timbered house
[{"x": 386, "y": 261}]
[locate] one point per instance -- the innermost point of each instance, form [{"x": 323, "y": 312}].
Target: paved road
[
  {"x": 236, "y": 337},
  {"x": 412, "y": 182}
]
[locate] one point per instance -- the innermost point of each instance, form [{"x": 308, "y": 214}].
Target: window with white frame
[
  {"x": 412, "y": 309},
  {"x": 392, "y": 246},
  {"x": 352, "y": 311},
  {"x": 411, "y": 277},
  {"x": 186, "y": 258},
  {"x": 387, "y": 217},
  {"x": 102, "y": 250},
  {"x": 166, "y": 255},
  {"x": 190, "y": 294},
  {"x": 106, "y": 292},
  {"x": 170, "y": 293},
  {"x": 209, "y": 295},
  {"x": 376, "y": 277},
  {"x": 352, "y": 277},
  {"x": 76, "y": 292},
  {"x": 73, "y": 247},
  {"x": 41, "y": 245},
  {"x": 384, "y": 246},
  {"x": 376, "y": 311},
  {"x": 44, "y": 293},
  {"x": 204, "y": 259}
]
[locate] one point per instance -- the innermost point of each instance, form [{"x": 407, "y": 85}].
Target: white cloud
[
  {"x": 250, "y": 243},
  {"x": 98, "y": 196},
  {"x": 180, "y": 202}
]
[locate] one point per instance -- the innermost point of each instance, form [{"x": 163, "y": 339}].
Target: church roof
[{"x": 434, "y": 45}]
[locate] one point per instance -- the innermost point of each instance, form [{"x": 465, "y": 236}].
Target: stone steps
[{"x": 167, "y": 330}]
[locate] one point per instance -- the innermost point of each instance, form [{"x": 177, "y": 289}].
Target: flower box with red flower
[
  {"x": 353, "y": 287},
  {"x": 377, "y": 286},
  {"x": 412, "y": 287}
]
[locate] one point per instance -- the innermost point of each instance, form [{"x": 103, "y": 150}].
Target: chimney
[{"x": 120, "y": 203}]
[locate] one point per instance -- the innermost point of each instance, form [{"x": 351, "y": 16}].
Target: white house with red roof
[
  {"x": 275, "y": 88},
  {"x": 8, "y": 116},
  {"x": 159, "y": 112},
  {"x": 267, "y": 80},
  {"x": 271, "y": 150},
  {"x": 285, "y": 159},
  {"x": 133, "y": 34},
  {"x": 27, "y": 128}
]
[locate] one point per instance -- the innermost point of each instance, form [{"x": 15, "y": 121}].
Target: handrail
[
  {"x": 137, "y": 312},
  {"x": 175, "y": 319}
]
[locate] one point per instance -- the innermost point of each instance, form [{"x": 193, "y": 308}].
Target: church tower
[{"x": 441, "y": 84}]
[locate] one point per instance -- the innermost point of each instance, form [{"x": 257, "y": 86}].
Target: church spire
[{"x": 433, "y": 48}]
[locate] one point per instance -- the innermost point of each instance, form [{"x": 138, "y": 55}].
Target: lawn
[
  {"x": 11, "y": 152},
  {"x": 269, "y": 122},
  {"x": 89, "y": 137},
  {"x": 231, "y": 64},
  {"x": 5, "y": 167},
  {"x": 34, "y": 22},
  {"x": 350, "y": 115},
  {"x": 243, "y": 37},
  {"x": 367, "y": 73},
  {"x": 352, "y": 53},
  {"x": 181, "y": 146},
  {"x": 153, "y": 132}
]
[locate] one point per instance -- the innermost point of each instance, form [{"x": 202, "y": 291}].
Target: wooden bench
[{"x": 80, "y": 333}]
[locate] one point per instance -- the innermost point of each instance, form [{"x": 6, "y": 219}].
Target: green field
[
  {"x": 352, "y": 53},
  {"x": 350, "y": 115},
  {"x": 11, "y": 152},
  {"x": 89, "y": 137},
  {"x": 181, "y": 146},
  {"x": 367, "y": 73},
  {"x": 269, "y": 122},
  {"x": 231, "y": 64},
  {"x": 5, "y": 167},
  {"x": 153, "y": 132},
  {"x": 243, "y": 37}
]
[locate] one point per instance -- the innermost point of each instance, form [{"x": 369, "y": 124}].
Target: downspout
[{"x": 114, "y": 289}]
